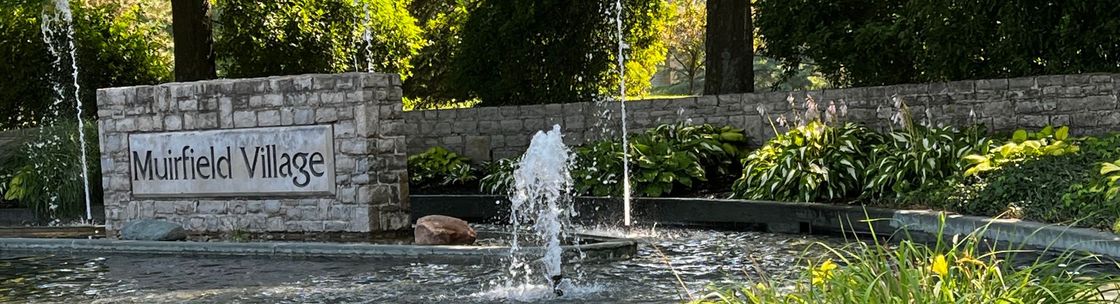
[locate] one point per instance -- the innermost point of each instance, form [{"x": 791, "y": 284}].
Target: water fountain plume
[
  {"x": 63, "y": 17},
  {"x": 541, "y": 196},
  {"x": 622, "y": 46}
]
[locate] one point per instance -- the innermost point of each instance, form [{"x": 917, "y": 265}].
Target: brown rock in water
[{"x": 443, "y": 230}]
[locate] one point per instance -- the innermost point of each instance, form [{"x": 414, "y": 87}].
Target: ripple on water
[{"x": 699, "y": 257}]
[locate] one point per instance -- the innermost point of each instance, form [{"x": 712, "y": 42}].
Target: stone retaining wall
[
  {"x": 1086, "y": 102},
  {"x": 369, "y": 148}
]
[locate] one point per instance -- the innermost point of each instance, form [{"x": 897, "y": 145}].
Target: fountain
[
  {"x": 367, "y": 37},
  {"x": 63, "y": 17},
  {"x": 622, "y": 46},
  {"x": 542, "y": 185}
]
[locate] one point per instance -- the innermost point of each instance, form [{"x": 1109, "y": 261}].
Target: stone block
[
  {"x": 206, "y": 121},
  {"x": 212, "y": 207},
  {"x": 273, "y": 100},
  {"x": 511, "y": 126},
  {"x": 1089, "y": 103},
  {"x": 244, "y": 119},
  {"x": 268, "y": 118},
  {"x": 325, "y": 115},
  {"x": 477, "y": 148},
  {"x": 303, "y": 116},
  {"x": 172, "y": 122}
]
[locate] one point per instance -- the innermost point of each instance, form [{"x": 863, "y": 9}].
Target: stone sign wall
[
  {"x": 1086, "y": 102},
  {"x": 304, "y": 153}
]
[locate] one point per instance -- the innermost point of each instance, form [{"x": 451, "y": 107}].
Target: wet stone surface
[{"x": 699, "y": 257}]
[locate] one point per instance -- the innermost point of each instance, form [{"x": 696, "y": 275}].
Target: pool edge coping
[
  {"x": 607, "y": 249},
  {"x": 813, "y": 218}
]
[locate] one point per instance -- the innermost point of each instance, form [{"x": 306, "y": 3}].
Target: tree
[
  {"x": 314, "y": 36},
  {"x": 686, "y": 41},
  {"x": 115, "y": 47},
  {"x": 442, "y": 22},
  {"x": 730, "y": 47},
  {"x": 882, "y": 42},
  {"x": 194, "y": 52},
  {"x": 555, "y": 51}
]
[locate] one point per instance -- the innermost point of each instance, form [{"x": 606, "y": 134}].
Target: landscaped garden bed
[{"x": 1044, "y": 175}]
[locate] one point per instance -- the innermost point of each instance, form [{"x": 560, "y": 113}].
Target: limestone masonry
[
  {"x": 1085, "y": 102},
  {"x": 304, "y": 153}
]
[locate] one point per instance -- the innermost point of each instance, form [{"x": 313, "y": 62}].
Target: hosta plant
[
  {"x": 1022, "y": 146},
  {"x": 1111, "y": 172},
  {"x": 663, "y": 164},
  {"x": 717, "y": 148},
  {"x": 499, "y": 176},
  {"x": 597, "y": 169},
  {"x": 918, "y": 156},
  {"x": 808, "y": 163},
  {"x": 439, "y": 166}
]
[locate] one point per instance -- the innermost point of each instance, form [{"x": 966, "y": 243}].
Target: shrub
[
  {"x": 867, "y": 43},
  {"x": 717, "y": 150},
  {"x": 597, "y": 168},
  {"x": 919, "y": 157},
  {"x": 808, "y": 163},
  {"x": 439, "y": 166},
  {"x": 264, "y": 38},
  {"x": 663, "y": 163},
  {"x": 1043, "y": 179},
  {"x": 498, "y": 176},
  {"x": 668, "y": 159},
  {"x": 45, "y": 174},
  {"x": 1023, "y": 146},
  {"x": 968, "y": 270}
]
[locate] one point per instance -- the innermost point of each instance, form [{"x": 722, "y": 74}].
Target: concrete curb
[
  {"x": 604, "y": 249},
  {"x": 805, "y": 218},
  {"x": 1033, "y": 234}
]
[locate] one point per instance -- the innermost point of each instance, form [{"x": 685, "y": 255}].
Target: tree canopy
[
  {"x": 879, "y": 42},
  {"x": 552, "y": 51},
  {"x": 262, "y": 38},
  {"x": 116, "y": 46}
]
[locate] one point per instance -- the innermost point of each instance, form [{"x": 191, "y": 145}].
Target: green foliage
[
  {"x": 442, "y": 24},
  {"x": 554, "y": 51},
  {"x": 498, "y": 176},
  {"x": 717, "y": 149},
  {"x": 597, "y": 169},
  {"x": 439, "y": 166},
  {"x": 115, "y": 45},
  {"x": 262, "y": 38},
  {"x": 1034, "y": 184},
  {"x": 919, "y": 156},
  {"x": 663, "y": 163},
  {"x": 45, "y": 174},
  {"x": 1023, "y": 146},
  {"x": 876, "y": 42},
  {"x": 1111, "y": 172},
  {"x": 968, "y": 270},
  {"x": 809, "y": 163},
  {"x": 668, "y": 159}
]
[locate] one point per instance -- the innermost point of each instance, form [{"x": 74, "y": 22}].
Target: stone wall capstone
[
  {"x": 364, "y": 110},
  {"x": 1085, "y": 102}
]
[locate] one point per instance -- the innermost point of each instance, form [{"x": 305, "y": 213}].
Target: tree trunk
[
  {"x": 194, "y": 52},
  {"x": 730, "y": 48}
]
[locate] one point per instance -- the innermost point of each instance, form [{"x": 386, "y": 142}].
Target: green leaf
[
  {"x": 1107, "y": 168},
  {"x": 1062, "y": 133},
  {"x": 1019, "y": 136}
]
